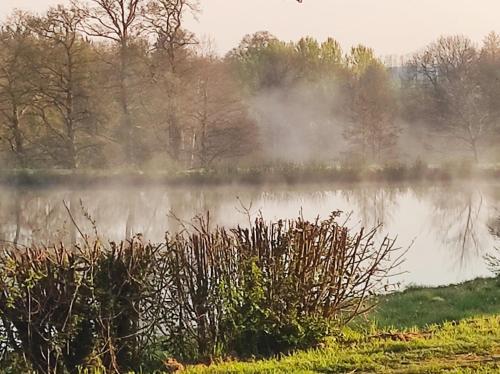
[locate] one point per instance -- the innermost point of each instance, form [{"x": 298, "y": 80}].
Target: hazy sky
[{"x": 389, "y": 26}]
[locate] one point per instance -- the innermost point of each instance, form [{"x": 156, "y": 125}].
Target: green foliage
[
  {"x": 373, "y": 134},
  {"x": 361, "y": 59},
  {"x": 264, "y": 62},
  {"x": 451, "y": 347},
  {"x": 150, "y": 98},
  {"x": 260, "y": 330}
]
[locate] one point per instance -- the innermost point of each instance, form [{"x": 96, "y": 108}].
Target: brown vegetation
[{"x": 199, "y": 295}]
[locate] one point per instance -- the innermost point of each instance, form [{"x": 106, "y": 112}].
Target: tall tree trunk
[
  {"x": 19, "y": 223},
  {"x": 126, "y": 122},
  {"x": 19, "y": 149},
  {"x": 203, "y": 132},
  {"x": 193, "y": 149},
  {"x": 174, "y": 135},
  {"x": 70, "y": 122}
]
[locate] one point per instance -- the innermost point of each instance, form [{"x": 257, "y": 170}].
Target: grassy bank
[
  {"x": 471, "y": 346},
  {"x": 281, "y": 173},
  {"x": 453, "y": 329},
  {"x": 419, "y": 307}
]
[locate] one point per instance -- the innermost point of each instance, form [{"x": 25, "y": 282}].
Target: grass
[
  {"x": 424, "y": 306},
  {"x": 472, "y": 345},
  {"x": 453, "y": 329}
]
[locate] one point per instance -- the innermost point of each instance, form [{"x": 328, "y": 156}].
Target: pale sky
[{"x": 389, "y": 26}]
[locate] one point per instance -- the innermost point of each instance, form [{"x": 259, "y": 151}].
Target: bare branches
[
  {"x": 298, "y": 268},
  {"x": 202, "y": 293},
  {"x": 221, "y": 125},
  {"x": 164, "y": 22},
  {"x": 116, "y": 20},
  {"x": 459, "y": 103}
]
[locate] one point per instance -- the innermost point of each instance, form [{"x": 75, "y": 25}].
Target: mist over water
[
  {"x": 298, "y": 124},
  {"x": 446, "y": 226}
]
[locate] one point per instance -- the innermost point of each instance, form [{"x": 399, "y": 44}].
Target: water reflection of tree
[
  {"x": 493, "y": 258},
  {"x": 375, "y": 204},
  {"x": 11, "y": 227},
  {"x": 494, "y": 226},
  {"x": 39, "y": 216},
  {"x": 458, "y": 221},
  {"x": 31, "y": 217}
]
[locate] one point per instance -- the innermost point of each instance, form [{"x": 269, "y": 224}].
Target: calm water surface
[{"x": 447, "y": 225}]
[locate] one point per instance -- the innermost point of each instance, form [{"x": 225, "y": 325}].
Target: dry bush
[
  {"x": 203, "y": 293},
  {"x": 63, "y": 308},
  {"x": 272, "y": 287}
]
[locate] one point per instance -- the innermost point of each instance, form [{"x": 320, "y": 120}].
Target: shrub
[
  {"x": 257, "y": 291},
  {"x": 67, "y": 308},
  {"x": 45, "y": 307}
]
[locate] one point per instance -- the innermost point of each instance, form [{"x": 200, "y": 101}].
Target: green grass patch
[
  {"x": 425, "y": 306},
  {"x": 471, "y": 346},
  {"x": 453, "y": 329}
]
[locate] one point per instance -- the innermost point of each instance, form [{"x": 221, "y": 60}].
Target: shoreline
[
  {"x": 462, "y": 345},
  {"x": 293, "y": 175}
]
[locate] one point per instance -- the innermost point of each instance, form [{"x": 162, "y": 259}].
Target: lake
[{"x": 446, "y": 226}]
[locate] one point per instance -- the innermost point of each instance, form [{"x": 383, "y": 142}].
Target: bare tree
[
  {"x": 164, "y": 21},
  {"x": 221, "y": 127},
  {"x": 120, "y": 22},
  {"x": 127, "y": 23},
  {"x": 17, "y": 95},
  {"x": 64, "y": 105},
  {"x": 489, "y": 65},
  {"x": 448, "y": 72},
  {"x": 171, "y": 49}
]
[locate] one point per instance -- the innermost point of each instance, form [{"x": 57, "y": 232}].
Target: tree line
[
  {"x": 449, "y": 91},
  {"x": 108, "y": 83},
  {"x": 123, "y": 84}
]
